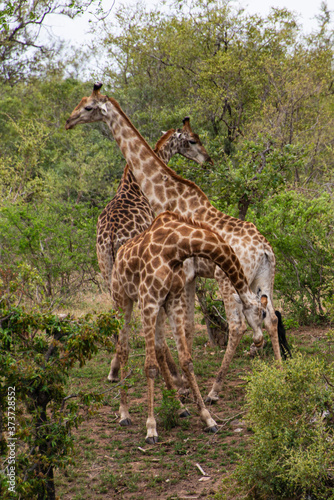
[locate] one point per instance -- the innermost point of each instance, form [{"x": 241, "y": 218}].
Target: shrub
[
  {"x": 37, "y": 352},
  {"x": 58, "y": 240},
  {"x": 300, "y": 229},
  {"x": 169, "y": 409},
  {"x": 291, "y": 413}
]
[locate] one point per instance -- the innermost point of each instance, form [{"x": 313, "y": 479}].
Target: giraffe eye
[
  {"x": 264, "y": 314},
  {"x": 88, "y": 108},
  {"x": 192, "y": 142}
]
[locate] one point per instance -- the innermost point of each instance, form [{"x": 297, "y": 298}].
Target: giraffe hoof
[
  {"x": 152, "y": 440},
  {"x": 184, "y": 414},
  {"x": 125, "y": 422},
  {"x": 211, "y": 400},
  {"x": 213, "y": 429},
  {"x": 183, "y": 394},
  {"x": 113, "y": 378}
]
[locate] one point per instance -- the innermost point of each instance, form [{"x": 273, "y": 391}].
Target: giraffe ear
[{"x": 103, "y": 108}]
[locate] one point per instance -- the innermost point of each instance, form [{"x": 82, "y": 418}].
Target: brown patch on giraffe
[
  {"x": 144, "y": 155},
  {"x": 172, "y": 193},
  {"x": 197, "y": 234},
  {"x": 172, "y": 204},
  {"x": 155, "y": 248},
  {"x": 192, "y": 203},
  {"x": 183, "y": 205},
  {"x": 156, "y": 262},
  {"x": 159, "y": 192}
]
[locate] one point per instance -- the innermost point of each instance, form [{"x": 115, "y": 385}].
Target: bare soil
[{"x": 114, "y": 462}]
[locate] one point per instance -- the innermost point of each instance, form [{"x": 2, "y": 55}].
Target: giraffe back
[
  {"x": 129, "y": 213},
  {"x": 151, "y": 259}
]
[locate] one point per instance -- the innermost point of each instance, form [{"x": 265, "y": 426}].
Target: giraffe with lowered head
[
  {"x": 148, "y": 269},
  {"x": 166, "y": 190}
]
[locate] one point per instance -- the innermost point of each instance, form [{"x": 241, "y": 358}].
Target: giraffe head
[
  {"x": 184, "y": 142},
  {"x": 255, "y": 312},
  {"x": 190, "y": 144},
  {"x": 89, "y": 109}
]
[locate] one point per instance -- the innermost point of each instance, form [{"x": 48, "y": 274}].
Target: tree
[
  {"x": 244, "y": 78},
  {"x": 299, "y": 225},
  {"x": 22, "y": 26},
  {"x": 53, "y": 186},
  {"x": 37, "y": 352}
]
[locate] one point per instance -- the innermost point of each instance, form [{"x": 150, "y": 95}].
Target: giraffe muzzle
[{"x": 258, "y": 344}]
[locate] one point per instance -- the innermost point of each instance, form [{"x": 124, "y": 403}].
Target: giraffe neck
[
  {"x": 184, "y": 239},
  {"x": 167, "y": 147},
  {"x": 164, "y": 189}
]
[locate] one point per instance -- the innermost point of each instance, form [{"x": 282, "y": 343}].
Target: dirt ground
[{"x": 114, "y": 462}]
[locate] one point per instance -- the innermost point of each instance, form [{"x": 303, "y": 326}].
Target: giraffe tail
[{"x": 283, "y": 343}]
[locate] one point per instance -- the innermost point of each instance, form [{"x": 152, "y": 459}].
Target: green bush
[
  {"x": 37, "y": 352},
  {"x": 291, "y": 413},
  {"x": 299, "y": 227},
  {"x": 169, "y": 409},
  {"x": 55, "y": 239}
]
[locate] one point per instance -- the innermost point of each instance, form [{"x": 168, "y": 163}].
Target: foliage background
[
  {"x": 258, "y": 90},
  {"x": 260, "y": 93}
]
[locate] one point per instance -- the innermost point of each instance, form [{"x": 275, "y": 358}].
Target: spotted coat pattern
[{"x": 165, "y": 190}]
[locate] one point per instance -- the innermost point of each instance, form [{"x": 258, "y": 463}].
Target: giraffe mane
[
  {"x": 187, "y": 220},
  {"x": 163, "y": 139},
  {"x": 168, "y": 170}
]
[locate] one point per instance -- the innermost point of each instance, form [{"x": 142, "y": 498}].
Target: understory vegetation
[{"x": 260, "y": 94}]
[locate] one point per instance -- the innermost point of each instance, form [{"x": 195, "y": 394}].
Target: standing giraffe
[
  {"x": 148, "y": 269},
  {"x": 129, "y": 213},
  {"x": 166, "y": 190}
]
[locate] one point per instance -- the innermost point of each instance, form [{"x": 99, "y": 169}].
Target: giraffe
[
  {"x": 129, "y": 213},
  {"x": 148, "y": 269},
  {"x": 166, "y": 190}
]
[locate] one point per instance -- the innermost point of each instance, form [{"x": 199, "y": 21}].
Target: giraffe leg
[
  {"x": 175, "y": 311},
  {"x": 237, "y": 327},
  {"x": 115, "y": 364},
  {"x": 271, "y": 325},
  {"x": 189, "y": 328},
  {"x": 160, "y": 350},
  {"x": 149, "y": 318},
  {"x": 122, "y": 353},
  {"x": 114, "y": 369},
  {"x": 165, "y": 359},
  {"x": 162, "y": 358}
]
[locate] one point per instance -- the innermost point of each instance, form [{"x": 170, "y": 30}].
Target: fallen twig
[{"x": 201, "y": 470}]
